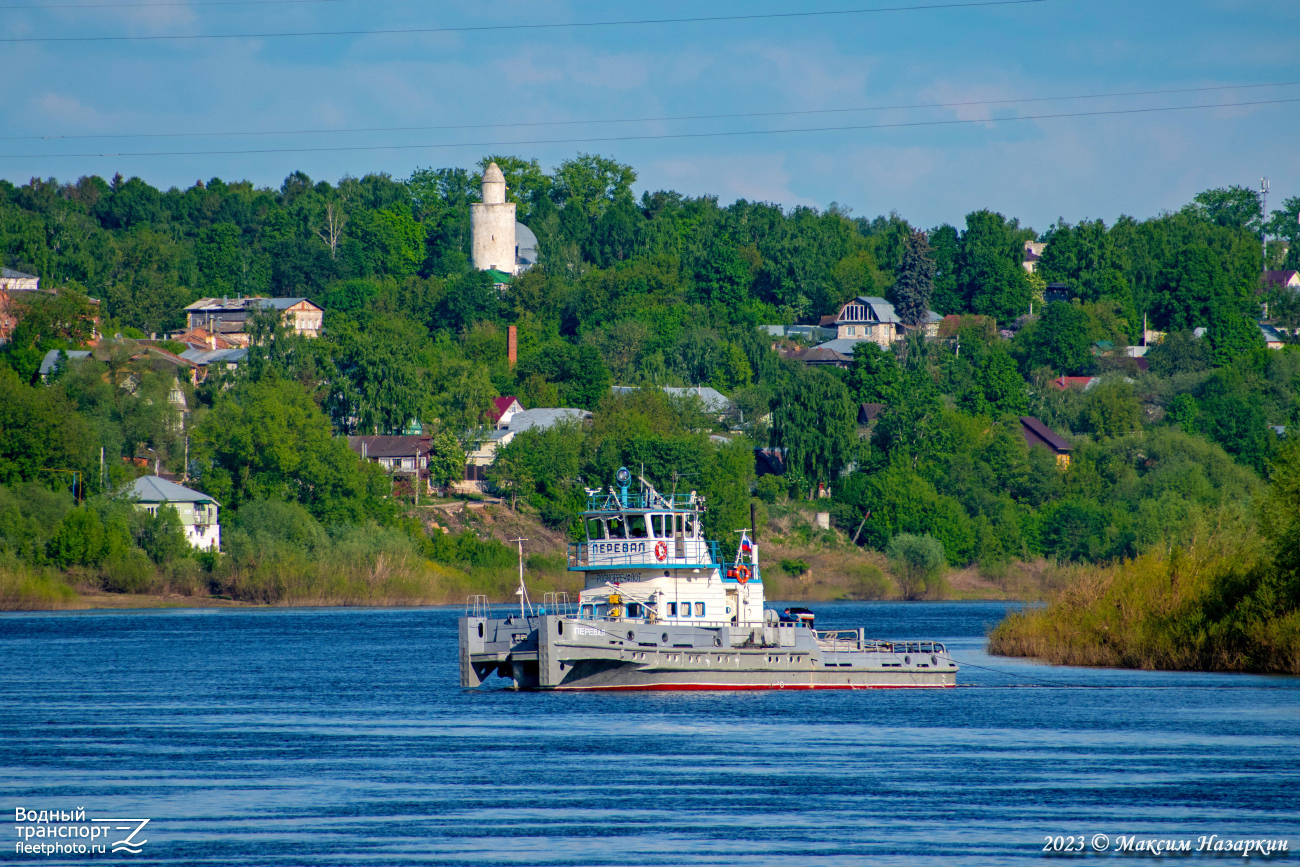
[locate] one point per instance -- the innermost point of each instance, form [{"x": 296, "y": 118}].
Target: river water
[{"x": 324, "y": 736}]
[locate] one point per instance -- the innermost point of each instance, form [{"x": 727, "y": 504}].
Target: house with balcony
[{"x": 198, "y": 512}]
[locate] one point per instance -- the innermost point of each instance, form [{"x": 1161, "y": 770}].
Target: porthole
[
  {"x": 480, "y": 630},
  {"x": 907, "y": 660},
  {"x": 561, "y": 666},
  {"x": 717, "y": 641},
  {"x": 559, "y": 626},
  {"x": 663, "y": 639},
  {"x": 630, "y": 635},
  {"x": 934, "y": 660}
]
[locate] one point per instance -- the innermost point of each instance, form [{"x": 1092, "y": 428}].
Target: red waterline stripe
[{"x": 681, "y": 687}]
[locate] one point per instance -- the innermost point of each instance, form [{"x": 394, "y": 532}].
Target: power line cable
[
  {"x": 666, "y": 119},
  {"x": 38, "y": 7},
  {"x": 498, "y": 27},
  {"x": 689, "y": 135}
]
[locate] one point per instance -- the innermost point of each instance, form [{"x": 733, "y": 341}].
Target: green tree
[
  {"x": 915, "y": 281},
  {"x": 1231, "y": 207},
  {"x": 162, "y": 535},
  {"x": 590, "y": 183},
  {"x": 947, "y": 298},
  {"x": 79, "y": 540},
  {"x": 1182, "y": 411},
  {"x": 815, "y": 421},
  {"x": 1060, "y": 339},
  {"x": 918, "y": 563},
  {"x": 446, "y": 459},
  {"x": 268, "y": 440},
  {"x": 1178, "y": 352},
  {"x": 378, "y": 388},
  {"x": 39, "y": 430},
  {"x": 1111, "y": 409},
  {"x": 874, "y": 374},
  {"x": 989, "y": 274}
]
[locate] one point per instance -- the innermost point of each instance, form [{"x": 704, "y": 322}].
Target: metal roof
[
  {"x": 208, "y": 356},
  {"x": 1271, "y": 334},
  {"x": 11, "y": 274},
  {"x": 881, "y": 309},
  {"x": 155, "y": 489},
  {"x": 843, "y": 345},
  {"x": 51, "y": 359},
  {"x": 713, "y": 400},
  {"x": 543, "y": 419},
  {"x": 396, "y": 446},
  {"x": 1037, "y": 433},
  {"x": 244, "y": 303}
]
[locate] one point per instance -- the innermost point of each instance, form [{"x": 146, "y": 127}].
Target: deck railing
[
  {"x": 641, "y": 552},
  {"x": 846, "y": 640},
  {"x": 607, "y": 502}
]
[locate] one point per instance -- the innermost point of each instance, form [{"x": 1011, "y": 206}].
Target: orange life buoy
[
  {"x": 661, "y": 550},
  {"x": 743, "y": 575}
]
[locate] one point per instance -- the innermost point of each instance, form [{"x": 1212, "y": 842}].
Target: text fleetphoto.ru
[{"x": 71, "y": 832}]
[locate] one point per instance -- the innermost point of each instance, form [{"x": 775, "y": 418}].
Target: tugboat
[{"x": 660, "y": 610}]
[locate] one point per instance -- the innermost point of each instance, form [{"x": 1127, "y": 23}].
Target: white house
[{"x": 198, "y": 511}]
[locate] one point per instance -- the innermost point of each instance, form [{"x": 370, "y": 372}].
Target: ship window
[
  {"x": 657, "y": 525},
  {"x": 690, "y": 528},
  {"x": 679, "y": 524},
  {"x": 595, "y": 528},
  {"x": 699, "y": 609},
  {"x": 616, "y": 528},
  {"x": 672, "y": 609},
  {"x": 636, "y": 526},
  {"x": 588, "y": 612},
  {"x": 686, "y": 609},
  {"x": 634, "y": 609}
]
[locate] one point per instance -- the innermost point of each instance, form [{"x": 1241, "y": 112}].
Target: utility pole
[{"x": 1263, "y": 208}]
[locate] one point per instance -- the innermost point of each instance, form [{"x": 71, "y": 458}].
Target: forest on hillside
[{"x": 659, "y": 290}]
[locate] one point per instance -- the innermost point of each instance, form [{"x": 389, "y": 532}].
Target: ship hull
[{"x": 565, "y": 654}]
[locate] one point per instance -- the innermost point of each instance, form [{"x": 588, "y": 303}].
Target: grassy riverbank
[
  {"x": 1222, "y": 606},
  {"x": 463, "y": 550}
]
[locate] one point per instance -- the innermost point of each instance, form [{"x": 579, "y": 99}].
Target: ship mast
[{"x": 522, "y": 592}]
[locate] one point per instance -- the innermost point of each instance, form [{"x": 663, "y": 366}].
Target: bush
[
  {"x": 794, "y": 568},
  {"x": 918, "y": 564},
  {"x": 185, "y": 578},
  {"x": 867, "y": 582},
  {"x": 270, "y": 521},
  {"x": 769, "y": 488},
  {"x": 129, "y": 571}
]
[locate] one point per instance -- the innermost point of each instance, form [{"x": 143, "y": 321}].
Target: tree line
[{"x": 659, "y": 290}]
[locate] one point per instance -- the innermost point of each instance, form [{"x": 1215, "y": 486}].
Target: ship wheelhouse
[{"x": 645, "y": 558}]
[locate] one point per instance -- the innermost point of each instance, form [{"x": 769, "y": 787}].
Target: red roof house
[
  {"x": 502, "y": 410},
  {"x": 1067, "y": 382}
]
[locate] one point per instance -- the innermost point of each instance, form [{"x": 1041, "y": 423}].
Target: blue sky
[{"x": 1037, "y": 170}]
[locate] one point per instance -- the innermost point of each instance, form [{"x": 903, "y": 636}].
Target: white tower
[{"x": 492, "y": 225}]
